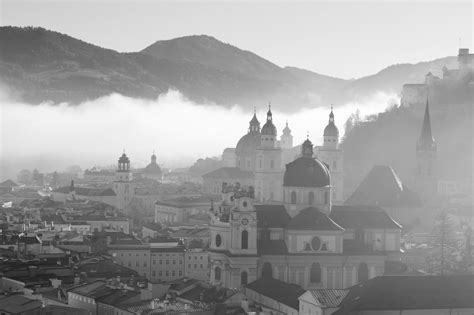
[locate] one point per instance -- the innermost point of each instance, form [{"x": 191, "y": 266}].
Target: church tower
[
  {"x": 332, "y": 156},
  {"x": 233, "y": 248},
  {"x": 426, "y": 154},
  {"x": 286, "y": 140},
  {"x": 268, "y": 171},
  {"x": 123, "y": 184}
]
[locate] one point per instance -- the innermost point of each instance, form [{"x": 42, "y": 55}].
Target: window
[
  {"x": 217, "y": 273},
  {"x": 153, "y": 273},
  {"x": 167, "y": 273},
  {"x": 243, "y": 278},
  {"x": 167, "y": 262},
  {"x": 160, "y": 273},
  {"x": 218, "y": 240},
  {"x": 311, "y": 198},
  {"x": 245, "y": 240},
  {"x": 315, "y": 275},
  {"x": 161, "y": 262},
  {"x": 174, "y": 262},
  {"x": 293, "y": 197},
  {"x": 173, "y": 273},
  {"x": 316, "y": 243},
  {"x": 180, "y": 273},
  {"x": 267, "y": 270},
  {"x": 200, "y": 266},
  {"x": 195, "y": 266},
  {"x": 189, "y": 266},
  {"x": 363, "y": 272}
]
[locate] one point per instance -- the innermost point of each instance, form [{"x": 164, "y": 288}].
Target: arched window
[
  {"x": 218, "y": 240},
  {"x": 245, "y": 239},
  {"x": 315, "y": 275},
  {"x": 311, "y": 198},
  {"x": 217, "y": 274},
  {"x": 267, "y": 270},
  {"x": 363, "y": 272},
  {"x": 293, "y": 197},
  {"x": 243, "y": 278}
]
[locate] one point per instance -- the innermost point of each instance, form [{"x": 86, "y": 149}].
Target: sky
[{"x": 348, "y": 39}]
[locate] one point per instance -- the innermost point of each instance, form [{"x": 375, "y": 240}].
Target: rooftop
[
  {"x": 410, "y": 293},
  {"x": 354, "y": 217},
  {"x": 277, "y": 290},
  {"x": 18, "y": 304}
]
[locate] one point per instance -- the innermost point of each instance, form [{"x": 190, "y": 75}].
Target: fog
[{"x": 51, "y": 137}]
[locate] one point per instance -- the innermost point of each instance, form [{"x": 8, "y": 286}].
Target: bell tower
[
  {"x": 123, "y": 184},
  {"x": 331, "y": 154},
  {"x": 268, "y": 170}
]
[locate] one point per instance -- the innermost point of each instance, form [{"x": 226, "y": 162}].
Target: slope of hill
[{"x": 40, "y": 65}]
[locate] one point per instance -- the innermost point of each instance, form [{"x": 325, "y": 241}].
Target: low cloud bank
[{"x": 49, "y": 137}]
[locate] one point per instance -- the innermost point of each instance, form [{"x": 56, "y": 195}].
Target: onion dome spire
[
  {"x": 269, "y": 128},
  {"x": 286, "y": 130},
  {"x": 254, "y": 123},
  {"x": 307, "y": 147},
  {"x": 331, "y": 129}
]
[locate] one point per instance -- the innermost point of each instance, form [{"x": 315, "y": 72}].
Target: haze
[{"x": 51, "y": 137}]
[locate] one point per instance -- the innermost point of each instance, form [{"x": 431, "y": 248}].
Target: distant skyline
[{"x": 342, "y": 39}]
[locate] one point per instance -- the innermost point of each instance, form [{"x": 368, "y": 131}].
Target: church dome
[
  {"x": 306, "y": 172},
  {"x": 331, "y": 129},
  {"x": 152, "y": 168},
  {"x": 269, "y": 129},
  {"x": 248, "y": 144}
]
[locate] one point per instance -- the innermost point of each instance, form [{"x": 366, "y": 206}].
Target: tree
[
  {"x": 443, "y": 259},
  {"x": 25, "y": 177}
]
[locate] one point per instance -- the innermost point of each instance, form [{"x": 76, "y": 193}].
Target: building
[
  {"x": 321, "y": 301},
  {"x": 410, "y": 295},
  {"x": 177, "y": 210},
  {"x": 331, "y": 154},
  {"x": 97, "y": 175},
  {"x": 304, "y": 240},
  {"x": 426, "y": 179},
  {"x": 161, "y": 259},
  {"x": 274, "y": 296},
  {"x": 383, "y": 187},
  {"x": 72, "y": 193},
  {"x": 123, "y": 184},
  {"x": 196, "y": 264},
  {"x": 19, "y": 304},
  {"x": 153, "y": 170},
  {"x": 260, "y": 160}
]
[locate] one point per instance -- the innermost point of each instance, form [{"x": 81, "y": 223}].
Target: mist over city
[{"x": 235, "y": 157}]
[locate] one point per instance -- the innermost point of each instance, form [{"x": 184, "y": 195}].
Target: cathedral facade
[
  {"x": 304, "y": 239},
  {"x": 259, "y": 160}
]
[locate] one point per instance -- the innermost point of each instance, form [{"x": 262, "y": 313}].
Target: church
[
  {"x": 305, "y": 239},
  {"x": 259, "y": 160}
]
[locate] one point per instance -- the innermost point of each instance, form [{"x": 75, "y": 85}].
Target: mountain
[{"x": 40, "y": 65}]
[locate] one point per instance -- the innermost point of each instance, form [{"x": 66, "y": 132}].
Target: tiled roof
[
  {"x": 18, "y": 304},
  {"x": 94, "y": 289},
  {"x": 229, "y": 172},
  {"x": 354, "y": 217},
  {"x": 8, "y": 183},
  {"x": 383, "y": 187},
  {"x": 313, "y": 219},
  {"x": 272, "y": 216},
  {"x": 189, "y": 201},
  {"x": 328, "y": 297},
  {"x": 410, "y": 293},
  {"x": 277, "y": 290},
  {"x": 86, "y": 191},
  {"x": 117, "y": 297}
]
